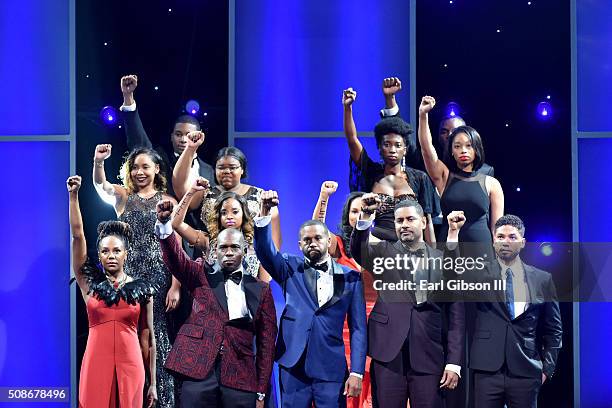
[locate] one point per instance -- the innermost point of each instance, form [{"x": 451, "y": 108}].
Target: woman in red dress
[
  {"x": 340, "y": 251},
  {"x": 119, "y": 308}
]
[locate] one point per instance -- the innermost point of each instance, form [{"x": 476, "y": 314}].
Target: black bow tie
[
  {"x": 320, "y": 267},
  {"x": 419, "y": 253},
  {"x": 234, "y": 276}
]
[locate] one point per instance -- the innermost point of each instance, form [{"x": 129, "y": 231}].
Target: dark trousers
[
  {"x": 298, "y": 390},
  {"x": 210, "y": 393},
  {"x": 395, "y": 382},
  {"x": 494, "y": 390}
]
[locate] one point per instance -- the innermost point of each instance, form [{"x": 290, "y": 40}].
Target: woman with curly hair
[
  {"x": 230, "y": 210},
  {"x": 144, "y": 185},
  {"x": 120, "y": 312}
]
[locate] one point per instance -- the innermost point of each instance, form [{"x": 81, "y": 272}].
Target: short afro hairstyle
[
  {"x": 513, "y": 221},
  {"x": 410, "y": 203},
  {"x": 188, "y": 119},
  {"x": 393, "y": 124}
]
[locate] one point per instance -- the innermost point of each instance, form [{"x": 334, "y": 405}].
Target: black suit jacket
[
  {"x": 137, "y": 137},
  {"x": 396, "y": 316},
  {"x": 528, "y": 344}
]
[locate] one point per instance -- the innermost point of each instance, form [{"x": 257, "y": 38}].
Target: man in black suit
[
  {"x": 518, "y": 329},
  {"x": 414, "y": 158},
  {"x": 137, "y": 136},
  {"x": 411, "y": 359}
]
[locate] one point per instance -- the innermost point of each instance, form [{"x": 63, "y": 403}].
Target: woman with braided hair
[{"x": 120, "y": 313}]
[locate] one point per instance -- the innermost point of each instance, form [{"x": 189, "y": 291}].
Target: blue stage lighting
[
  {"x": 544, "y": 110},
  {"x": 192, "y": 107},
  {"x": 109, "y": 115},
  {"x": 453, "y": 109}
]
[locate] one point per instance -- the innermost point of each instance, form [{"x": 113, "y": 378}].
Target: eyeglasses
[{"x": 231, "y": 169}]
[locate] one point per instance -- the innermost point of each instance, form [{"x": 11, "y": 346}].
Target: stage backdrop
[
  {"x": 36, "y": 139},
  {"x": 592, "y": 149}
]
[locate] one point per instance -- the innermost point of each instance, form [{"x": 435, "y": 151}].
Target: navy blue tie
[{"x": 509, "y": 293}]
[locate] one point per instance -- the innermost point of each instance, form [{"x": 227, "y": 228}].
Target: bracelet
[{"x": 99, "y": 164}]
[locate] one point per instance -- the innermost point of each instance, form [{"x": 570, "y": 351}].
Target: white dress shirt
[
  {"x": 519, "y": 285},
  {"x": 236, "y": 299},
  {"x": 363, "y": 225}
]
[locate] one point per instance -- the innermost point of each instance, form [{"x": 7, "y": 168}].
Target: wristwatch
[{"x": 261, "y": 396}]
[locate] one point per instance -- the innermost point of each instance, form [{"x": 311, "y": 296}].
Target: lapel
[
  {"x": 339, "y": 282},
  {"x": 252, "y": 293},
  {"x": 500, "y": 296},
  {"x": 530, "y": 280},
  {"x": 309, "y": 275},
  {"x": 217, "y": 284}
]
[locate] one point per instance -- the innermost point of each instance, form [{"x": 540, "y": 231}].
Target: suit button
[{"x": 221, "y": 349}]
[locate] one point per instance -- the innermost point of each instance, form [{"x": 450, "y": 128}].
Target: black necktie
[{"x": 236, "y": 276}]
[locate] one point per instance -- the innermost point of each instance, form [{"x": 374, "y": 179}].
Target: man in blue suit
[{"x": 319, "y": 295}]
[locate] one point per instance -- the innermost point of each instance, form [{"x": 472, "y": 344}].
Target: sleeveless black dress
[{"x": 467, "y": 192}]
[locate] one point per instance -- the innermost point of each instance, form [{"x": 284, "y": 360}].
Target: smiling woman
[{"x": 144, "y": 185}]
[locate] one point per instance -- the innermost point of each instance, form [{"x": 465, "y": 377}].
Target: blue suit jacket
[{"x": 305, "y": 325}]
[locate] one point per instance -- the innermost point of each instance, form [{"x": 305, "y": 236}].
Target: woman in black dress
[{"x": 461, "y": 187}]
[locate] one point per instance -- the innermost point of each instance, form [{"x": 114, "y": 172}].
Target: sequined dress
[{"x": 145, "y": 262}]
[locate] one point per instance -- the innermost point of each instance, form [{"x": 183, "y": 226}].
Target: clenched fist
[
  {"x": 455, "y": 219},
  {"x": 391, "y": 86},
  {"x": 370, "y": 203},
  {"x": 164, "y": 210},
  {"x": 348, "y": 97},
  {"x": 129, "y": 84},
  {"x": 103, "y": 152},
  {"x": 328, "y": 188},
  {"x": 269, "y": 199},
  {"x": 200, "y": 184},
  {"x": 195, "y": 139},
  {"x": 427, "y": 104},
  {"x": 73, "y": 184}
]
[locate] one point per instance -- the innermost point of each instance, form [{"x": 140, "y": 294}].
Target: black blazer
[
  {"x": 396, "y": 316},
  {"x": 529, "y": 344},
  {"x": 137, "y": 137}
]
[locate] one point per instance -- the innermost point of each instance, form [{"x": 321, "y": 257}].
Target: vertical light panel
[
  {"x": 35, "y": 67},
  {"x": 594, "y": 65},
  {"x": 594, "y": 186},
  {"x": 296, "y": 167},
  {"x": 34, "y": 292},
  {"x": 293, "y": 59}
]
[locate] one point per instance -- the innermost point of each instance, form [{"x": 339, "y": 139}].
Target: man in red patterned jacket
[{"x": 214, "y": 351}]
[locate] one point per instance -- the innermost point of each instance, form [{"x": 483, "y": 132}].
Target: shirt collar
[{"x": 516, "y": 266}]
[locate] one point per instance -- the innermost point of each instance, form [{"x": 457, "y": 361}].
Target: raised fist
[
  {"x": 129, "y": 84},
  {"x": 164, "y": 210},
  {"x": 200, "y": 184},
  {"x": 103, "y": 152},
  {"x": 455, "y": 219},
  {"x": 370, "y": 203},
  {"x": 73, "y": 183},
  {"x": 391, "y": 86},
  {"x": 348, "y": 96},
  {"x": 329, "y": 187},
  {"x": 269, "y": 199},
  {"x": 195, "y": 139},
  {"x": 427, "y": 104}
]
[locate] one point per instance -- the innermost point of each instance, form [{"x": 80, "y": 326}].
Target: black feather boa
[{"x": 136, "y": 291}]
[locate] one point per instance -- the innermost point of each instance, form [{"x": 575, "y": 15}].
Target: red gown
[
  {"x": 365, "y": 400},
  {"x": 112, "y": 372}
]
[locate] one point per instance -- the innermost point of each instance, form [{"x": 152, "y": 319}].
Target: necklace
[{"x": 117, "y": 283}]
